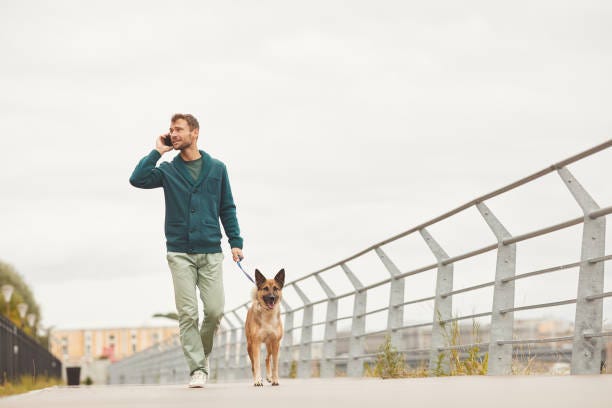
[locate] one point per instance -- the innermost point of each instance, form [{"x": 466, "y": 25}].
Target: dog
[{"x": 263, "y": 325}]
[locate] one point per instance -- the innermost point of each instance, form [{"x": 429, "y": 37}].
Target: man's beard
[{"x": 184, "y": 146}]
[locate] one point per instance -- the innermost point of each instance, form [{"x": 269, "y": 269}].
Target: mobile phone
[{"x": 167, "y": 140}]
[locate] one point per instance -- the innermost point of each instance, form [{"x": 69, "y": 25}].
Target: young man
[{"x": 197, "y": 193}]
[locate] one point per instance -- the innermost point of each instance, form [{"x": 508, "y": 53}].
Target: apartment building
[{"x": 94, "y": 349}]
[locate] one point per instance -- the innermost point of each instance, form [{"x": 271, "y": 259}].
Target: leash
[{"x": 243, "y": 271}]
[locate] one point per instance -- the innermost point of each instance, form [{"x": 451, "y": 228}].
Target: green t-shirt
[{"x": 194, "y": 167}]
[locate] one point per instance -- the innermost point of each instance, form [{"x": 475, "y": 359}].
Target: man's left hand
[{"x": 237, "y": 254}]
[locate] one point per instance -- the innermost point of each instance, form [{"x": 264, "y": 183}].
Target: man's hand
[
  {"x": 237, "y": 254},
  {"x": 161, "y": 147}
]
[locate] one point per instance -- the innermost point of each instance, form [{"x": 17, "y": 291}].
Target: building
[{"x": 94, "y": 349}]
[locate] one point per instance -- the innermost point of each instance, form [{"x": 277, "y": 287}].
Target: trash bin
[{"x": 73, "y": 375}]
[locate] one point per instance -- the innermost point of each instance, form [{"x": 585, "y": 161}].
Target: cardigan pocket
[
  {"x": 213, "y": 186},
  {"x": 211, "y": 233},
  {"x": 176, "y": 232}
]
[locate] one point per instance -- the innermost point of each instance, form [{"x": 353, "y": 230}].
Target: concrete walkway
[{"x": 450, "y": 392}]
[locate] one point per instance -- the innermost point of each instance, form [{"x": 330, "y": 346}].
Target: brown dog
[{"x": 263, "y": 325}]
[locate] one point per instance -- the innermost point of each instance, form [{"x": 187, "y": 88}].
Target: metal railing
[
  {"x": 21, "y": 356},
  {"x": 229, "y": 359}
]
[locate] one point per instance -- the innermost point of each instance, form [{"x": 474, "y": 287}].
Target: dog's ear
[
  {"x": 280, "y": 278},
  {"x": 259, "y": 278}
]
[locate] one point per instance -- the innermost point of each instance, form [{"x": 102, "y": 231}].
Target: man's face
[{"x": 181, "y": 136}]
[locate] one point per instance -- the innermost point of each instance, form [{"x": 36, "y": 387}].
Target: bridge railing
[
  {"x": 21, "y": 355},
  {"x": 229, "y": 360}
]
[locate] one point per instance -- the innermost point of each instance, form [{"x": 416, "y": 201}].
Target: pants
[{"x": 204, "y": 271}]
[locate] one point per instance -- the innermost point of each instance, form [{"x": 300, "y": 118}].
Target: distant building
[{"x": 94, "y": 349}]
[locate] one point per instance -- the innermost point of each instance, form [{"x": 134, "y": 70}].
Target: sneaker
[{"x": 198, "y": 379}]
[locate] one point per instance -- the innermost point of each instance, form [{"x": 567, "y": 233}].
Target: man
[{"x": 197, "y": 194}]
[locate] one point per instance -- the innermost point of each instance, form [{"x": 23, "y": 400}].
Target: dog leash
[{"x": 243, "y": 271}]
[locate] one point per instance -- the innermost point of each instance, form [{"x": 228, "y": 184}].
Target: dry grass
[
  {"x": 26, "y": 384},
  {"x": 422, "y": 370},
  {"x": 476, "y": 363},
  {"x": 293, "y": 369},
  {"x": 467, "y": 360},
  {"x": 524, "y": 365},
  {"x": 391, "y": 364}
]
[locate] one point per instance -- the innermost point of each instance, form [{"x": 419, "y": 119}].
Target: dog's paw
[
  {"x": 268, "y": 379},
  {"x": 275, "y": 383},
  {"x": 258, "y": 383}
]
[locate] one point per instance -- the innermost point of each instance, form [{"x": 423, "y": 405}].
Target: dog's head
[{"x": 269, "y": 291}]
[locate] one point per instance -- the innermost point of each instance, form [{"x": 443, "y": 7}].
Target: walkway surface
[{"x": 449, "y": 392}]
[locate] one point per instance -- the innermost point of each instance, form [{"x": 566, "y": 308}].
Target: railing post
[
  {"x": 222, "y": 349},
  {"x": 286, "y": 357},
  {"x": 586, "y": 352},
  {"x": 305, "y": 363},
  {"x": 328, "y": 365},
  {"x": 355, "y": 367},
  {"x": 215, "y": 356},
  {"x": 502, "y": 324},
  {"x": 242, "y": 350},
  {"x": 227, "y": 351},
  {"x": 230, "y": 345},
  {"x": 395, "y": 317},
  {"x": 443, "y": 306},
  {"x": 231, "y": 366}
]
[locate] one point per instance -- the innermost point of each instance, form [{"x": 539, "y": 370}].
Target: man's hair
[{"x": 190, "y": 119}]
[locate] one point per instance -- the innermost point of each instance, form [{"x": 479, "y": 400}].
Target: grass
[
  {"x": 476, "y": 363},
  {"x": 391, "y": 364},
  {"x": 523, "y": 365},
  {"x": 26, "y": 384},
  {"x": 293, "y": 369}
]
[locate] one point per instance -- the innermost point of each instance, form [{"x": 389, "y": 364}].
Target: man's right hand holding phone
[{"x": 161, "y": 145}]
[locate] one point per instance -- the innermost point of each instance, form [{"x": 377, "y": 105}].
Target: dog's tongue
[{"x": 270, "y": 304}]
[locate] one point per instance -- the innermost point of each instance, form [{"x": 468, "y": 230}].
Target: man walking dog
[{"x": 197, "y": 194}]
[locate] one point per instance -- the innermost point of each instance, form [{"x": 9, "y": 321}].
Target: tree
[
  {"x": 171, "y": 315},
  {"x": 22, "y": 293}
]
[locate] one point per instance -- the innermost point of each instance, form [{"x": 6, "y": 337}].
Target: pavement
[{"x": 474, "y": 392}]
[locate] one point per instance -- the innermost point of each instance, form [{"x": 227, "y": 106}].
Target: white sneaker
[{"x": 198, "y": 379}]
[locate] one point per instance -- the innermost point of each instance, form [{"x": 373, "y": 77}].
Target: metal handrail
[
  {"x": 505, "y": 244},
  {"x": 463, "y": 346},
  {"x": 485, "y": 197},
  {"x": 448, "y": 261},
  {"x": 472, "y": 316},
  {"x": 538, "y": 306},
  {"x": 535, "y": 341}
]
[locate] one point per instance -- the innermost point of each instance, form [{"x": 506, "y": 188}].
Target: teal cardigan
[{"x": 193, "y": 207}]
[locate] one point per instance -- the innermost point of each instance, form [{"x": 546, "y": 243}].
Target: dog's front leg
[
  {"x": 275, "y": 351},
  {"x": 268, "y": 368},
  {"x": 256, "y": 349},
  {"x": 250, "y": 351}
]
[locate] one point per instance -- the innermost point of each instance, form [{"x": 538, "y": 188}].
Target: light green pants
[{"x": 204, "y": 271}]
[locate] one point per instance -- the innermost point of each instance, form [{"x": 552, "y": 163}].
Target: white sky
[{"x": 341, "y": 123}]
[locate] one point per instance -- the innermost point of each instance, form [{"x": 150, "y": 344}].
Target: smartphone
[{"x": 167, "y": 140}]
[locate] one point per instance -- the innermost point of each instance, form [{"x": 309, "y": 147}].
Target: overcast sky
[{"x": 341, "y": 123}]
